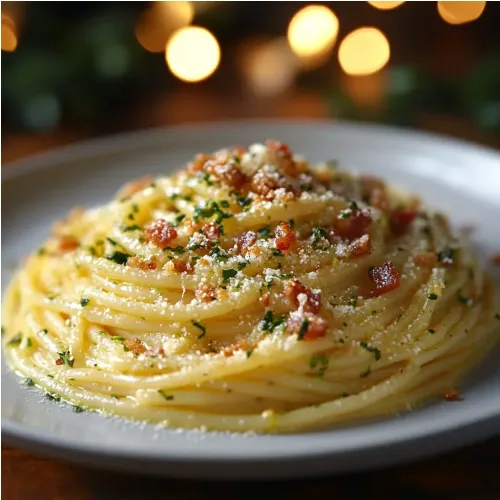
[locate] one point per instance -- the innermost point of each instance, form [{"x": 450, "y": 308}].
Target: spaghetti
[{"x": 250, "y": 291}]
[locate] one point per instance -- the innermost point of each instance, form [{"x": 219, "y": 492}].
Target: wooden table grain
[{"x": 469, "y": 473}]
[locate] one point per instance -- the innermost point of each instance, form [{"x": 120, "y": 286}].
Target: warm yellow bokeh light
[
  {"x": 385, "y": 5},
  {"x": 269, "y": 66},
  {"x": 460, "y": 12},
  {"x": 157, "y": 23},
  {"x": 9, "y": 37},
  {"x": 192, "y": 54},
  {"x": 313, "y": 30},
  {"x": 364, "y": 51}
]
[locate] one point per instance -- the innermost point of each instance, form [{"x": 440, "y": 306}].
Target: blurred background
[{"x": 73, "y": 70}]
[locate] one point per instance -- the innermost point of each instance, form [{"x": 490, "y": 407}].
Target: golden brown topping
[
  {"x": 310, "y": 300},
  {"x": 229, "y": 350},
  {"x": 385, "y": 278},
  {"x": 308, "y": 327},
  {"x": 361, "y": 246},
  {"x": 401, "y": 219},
  {"x": 206, "y": 293},
  {"x": 265, "y": 183},
  {"x": 245, "y": 241},
  {"x": 181, "y": 266},
  {"x": 160, "y": 233},
  {"x": 425, "y": 259},
  {"x": 212, "y": 231},
  {"x": 352, "y": 223},
  {"x": 496, "y": 259},
  {"x": 197, "y": 164},
  {"x": 265, "y": 299},
  {"x": 452, "y": 395},
  {"x": 229, "y": 173},
  {"x": 136, "y": 346},
  {"x": 144, "y": 264},
  {"x": 285, "y": 237},
  {"x": 68, "y": 243}
]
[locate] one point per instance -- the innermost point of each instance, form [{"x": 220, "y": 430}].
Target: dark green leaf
[
  {"x": 371, "y": 349},
  {"x": 202, "y": 328},
  {"x": 84, "y": 301},
  {"x": 119, "y": 257},
  {"x": 303, "y": 329},
  {"x": 227, "y": 274}
]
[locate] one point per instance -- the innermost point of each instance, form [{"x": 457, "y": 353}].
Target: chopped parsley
[
  {"x": 243, "y": 202},
  {"x": 205, "y": 177},
  {"x": 465, "y": 300},
  {"x": 249, "y": 353},
  {"x": 3, "y": 330},
  {"x": 303, "y": 329},
  {"x": 431, "y": 331},
  {"x": 119, "y": 257},
  {"x": 319, "y": 361},
  {"x": 270, "y": 322},
  {"x": 178, "y": 219},
  {"x": 15, "y": 341},
  {"x": 227, "y": 274},
  {"x": 432, "y": 296},
  {"x": 66, "y": 358},
  {"x": 168, "y": 397},
  {"x": 224, "y": 203},
  {"x": 218, "y": 254},
  {"x": 29, "y": 382},
  {"x": 135, "y": 208},
  {"x": 353, "y": 205},
  {"x": 353, "y": 301},
  {"x": 371, "y": 349},
  {"x": 178, "y": 250},
  {"x": 366, "y": 373},
  {"x": 398, "y": 318},
  {"x": 277, "y": 252},
  {"x": 41, "y": 251},
  {"x": 497, "y": 316},
  {"x": 345, "y": 214},
  {"x": 264, "y": 232},
  {"x": 78, "y": 409},
  {"x": 84, "y": 301},
  {"x": 208, "y": 210},
  {"x": 133, "y": 227},
  {"x": 52, "y": 397},
  {"x": 446, "y": 254},
  {"x": 242, "y": 265},
  {"x": 113, "y": 242},
  {"x": 318, "y": 233},
  {"x": 291, "y": 223},
  {"x": 201, "y": 327},
  {"x": 28, "y": 343}
]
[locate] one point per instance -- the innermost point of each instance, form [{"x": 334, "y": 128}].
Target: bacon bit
[
  {"x": 354, "y": 225},
  {"x": 59, "y": 362},
  {"x": 191, "y": 226},
  {"x": 385, "y": 278},
  {"x": 211, "y": 231},
  {"x": 452, "y": 395},
  {"x": 229, "y": 350},
  {"x": 496, "y": 259},
  {"x": 264, "y": 184},
  {"x": 316, "y": 326},
  {"x": 425, "y": 259},
  {"x": 401, "y": 220},
  {"x": 136, "y": 346},
  {"x": 278, "y": 147},
  {"x": 206, "y": 293},
  {"x": 285, "y": 237},
  {"x": 59, "y": 226},
  {"x": 157, "y": 351},
  {"x": 373, "y": 191},
  {"x": 265, "y": 299},
  {"x": 160, "y": 233},
  {"x": 361, "y": 246},
  {"x": 68, "y": 243},
  {"x": 245, "y": 241},
  {"x": 181, "y": 266},
  {"x": 197, "y": 164},
  {"x": 294, "y": 288},
  {"x": 228, "y": 173},
  {"x": 139, "y": 263},
  {"x": 135, "y": 186}
]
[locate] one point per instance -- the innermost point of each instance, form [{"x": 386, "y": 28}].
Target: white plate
[{"x": 460, "y": 178}]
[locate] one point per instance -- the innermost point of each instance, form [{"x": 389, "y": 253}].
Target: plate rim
[{"x": 488, "y": 424}]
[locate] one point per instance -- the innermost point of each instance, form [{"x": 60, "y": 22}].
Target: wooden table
[{"x": 471, "y": 473}]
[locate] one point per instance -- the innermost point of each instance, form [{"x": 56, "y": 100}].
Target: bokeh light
[
  {"x": 192, "y": 54},
  {"x": 269, "y": 66},
  {"x": 313, "y": 31},
  {"x": 9, "y": 36},
  {"x": 364, "y": 51},
  {"x": 158, "y": 22},
  {"x": 385, "y": 5},
  {"x": 460, "y": 12}
]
